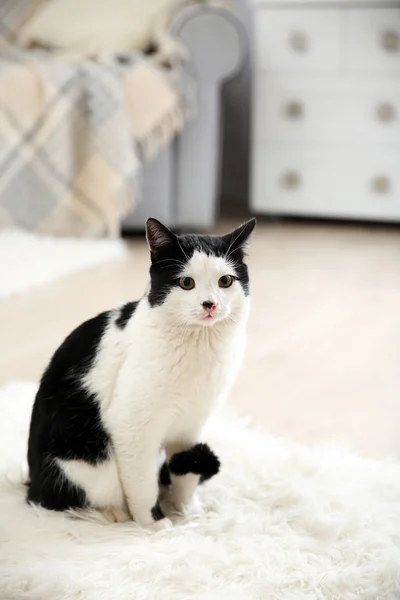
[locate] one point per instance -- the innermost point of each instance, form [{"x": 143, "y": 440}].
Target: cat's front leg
[
  {"x": 137, "y": 464},
  {"x": 183, "y": 487}
]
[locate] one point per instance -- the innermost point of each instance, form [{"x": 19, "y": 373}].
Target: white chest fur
[
  {"x": 198, "y": 376},
  {"x": 169, "y": 377}
]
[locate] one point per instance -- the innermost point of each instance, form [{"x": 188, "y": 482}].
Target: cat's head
[{"x": 199, "y": 279}]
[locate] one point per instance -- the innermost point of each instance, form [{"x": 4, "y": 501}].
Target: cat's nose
[{"x": 209, "y": 306}]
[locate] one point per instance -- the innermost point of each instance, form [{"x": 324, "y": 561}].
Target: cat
[{"x": 142, "y": 379}]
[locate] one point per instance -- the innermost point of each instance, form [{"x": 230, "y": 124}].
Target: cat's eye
[
  {"x": 225, "y": 281},
  {"x": 186, "y": 283}
]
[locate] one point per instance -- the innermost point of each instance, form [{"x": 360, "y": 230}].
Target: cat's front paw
[
  {"x": 161, "y": 525},
  {"x": 114, "y": 514},
  {"x": 188, "y": 507},
  {"x": 156, "y": 521},
  {"x": 158, "y": 525},
  {"x": 199, "y": 459}
]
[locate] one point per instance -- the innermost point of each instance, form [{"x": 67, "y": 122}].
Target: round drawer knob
[
  {"x": 385, "y": 112},
  {"x": 294, "y": 110},
  {"x": 381, "y": 184},
  {"x": 298, "y": 41},
  {"x": 291, "y": 180},
  {"x": 390, "y": 41}
]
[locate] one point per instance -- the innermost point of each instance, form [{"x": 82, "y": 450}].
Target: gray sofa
[{"x": 181, "y": 186}]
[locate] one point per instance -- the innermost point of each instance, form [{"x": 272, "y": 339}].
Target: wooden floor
[{"x": 323, "y": 356}]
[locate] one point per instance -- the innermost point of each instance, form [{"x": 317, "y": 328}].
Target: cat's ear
[
  {"x": 159, "y": 238},
  {"x": 239, "y": 238}
]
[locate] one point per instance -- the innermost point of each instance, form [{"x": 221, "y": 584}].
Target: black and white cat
[{"x": 141, "y": 379}]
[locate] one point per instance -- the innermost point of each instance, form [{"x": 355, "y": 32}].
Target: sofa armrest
[
  {"x": 216, "y": 41},
  {"x": 215, "y": 38}
]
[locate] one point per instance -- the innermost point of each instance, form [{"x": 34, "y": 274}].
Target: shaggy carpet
[
  {"x": 280, "y": 522},
  {"x": 28, "y": 260}
]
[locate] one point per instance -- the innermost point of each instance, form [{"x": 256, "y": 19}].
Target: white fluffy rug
[
  {"x": 280, "y": 522},
  {"x": 28, "y": 260}
]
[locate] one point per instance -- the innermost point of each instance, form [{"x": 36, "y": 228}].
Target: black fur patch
[
  {"x": 199, "y": 460},
  {"x": 157, "y": 513},
  {"x": 52, "y": 490},
  {"x": 66, "y": 421},
  {"x": 125, "y": 314},
  {"x": 164, "y": 477},
  {"x": 171, "y": 254}
]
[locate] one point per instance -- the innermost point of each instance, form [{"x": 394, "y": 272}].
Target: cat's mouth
[{"x": 211, "y": 319}]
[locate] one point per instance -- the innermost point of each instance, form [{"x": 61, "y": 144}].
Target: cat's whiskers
[
  {"x": 171, "y": 263},
  {"x": 177, "y": 329},
  {"x": 171, "y": 267},
  {"x": 169, "y": 260},
  {"x": 183, "y": 335},
  {"x": 227, "y": 253},
  {"x": 181, "y": 328},
  {"x": 180, "y": 246},
  {"x": 229, "y": 316}
]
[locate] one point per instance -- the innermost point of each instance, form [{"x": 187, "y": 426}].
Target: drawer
[
  {"x": 323, "y": 108},
  {"x": 297, "y": 39},
  {"x": 372, "y": 39},
  {"x": 315, "y": 180}
]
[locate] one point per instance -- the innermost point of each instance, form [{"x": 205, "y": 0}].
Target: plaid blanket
[{"x": 74, "y": 134}]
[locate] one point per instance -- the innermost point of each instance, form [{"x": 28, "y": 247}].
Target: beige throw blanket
[{"x": 74, "y": 134}]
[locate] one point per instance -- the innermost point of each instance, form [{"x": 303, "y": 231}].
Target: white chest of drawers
[{"x": 326, "y": 113}]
